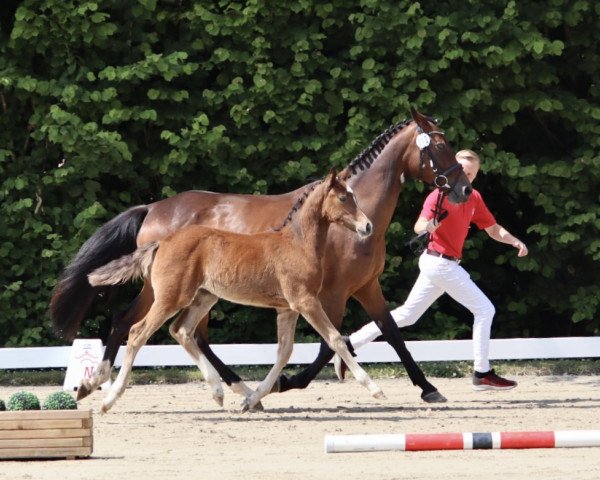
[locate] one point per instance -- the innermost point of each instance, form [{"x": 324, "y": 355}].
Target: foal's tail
[
  {"x": 73, "y": 295},
  {"x": 128, "y": 267}
]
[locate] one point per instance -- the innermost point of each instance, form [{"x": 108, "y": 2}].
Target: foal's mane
[{"x": 298, "y": 204}]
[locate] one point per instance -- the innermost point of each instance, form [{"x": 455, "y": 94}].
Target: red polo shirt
[{"x": 449, "y": 237}]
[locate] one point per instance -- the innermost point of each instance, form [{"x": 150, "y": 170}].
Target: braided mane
[
  {"x": 362, "y": 161},
  {"x": 366, "y": 158}
]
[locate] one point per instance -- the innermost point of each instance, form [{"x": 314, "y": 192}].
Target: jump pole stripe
[{"x": 461, "y": 441}]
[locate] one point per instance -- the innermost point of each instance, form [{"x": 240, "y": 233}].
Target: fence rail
[{"x": 376, "y": 352}]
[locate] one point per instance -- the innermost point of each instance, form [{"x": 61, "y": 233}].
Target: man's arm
[{"x": 500, "y": 234}]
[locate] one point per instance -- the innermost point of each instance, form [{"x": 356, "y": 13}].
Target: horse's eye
[
  {"x": 440, "y": 146},
  {"x": 342, "y": 198}
]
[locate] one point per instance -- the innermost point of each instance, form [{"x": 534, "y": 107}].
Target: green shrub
[
  {"x": 2, "y": 406},
  {"x": 23, "y": 401},
  {"x": 60, "y": 401}
]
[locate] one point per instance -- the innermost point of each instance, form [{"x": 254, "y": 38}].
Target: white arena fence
[{"x": 304, "y": 353}]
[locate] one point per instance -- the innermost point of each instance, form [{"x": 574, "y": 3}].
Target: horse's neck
[{"x": 377, "y": 188}]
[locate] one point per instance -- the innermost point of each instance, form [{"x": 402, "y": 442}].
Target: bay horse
[
  {"x": 280, "y": 269},
  {"x": 351, "y": 268}
]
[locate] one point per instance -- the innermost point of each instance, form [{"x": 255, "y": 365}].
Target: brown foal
[{"x": 281, "y": 269}]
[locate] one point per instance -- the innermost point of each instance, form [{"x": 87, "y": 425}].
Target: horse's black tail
[{"x": 73, "y": 294}]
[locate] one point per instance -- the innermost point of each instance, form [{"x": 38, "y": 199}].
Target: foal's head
[{"x": 340, "y": 205}]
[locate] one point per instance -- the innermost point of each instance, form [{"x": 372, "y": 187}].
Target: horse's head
[
  {"x": 340, "y": 205},
  {"x": 435, "y": 162}
]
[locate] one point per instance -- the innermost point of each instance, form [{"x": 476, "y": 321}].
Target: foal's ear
[
  {"x": 344, "y": 174},
  {"x": 332, "y": 178}
]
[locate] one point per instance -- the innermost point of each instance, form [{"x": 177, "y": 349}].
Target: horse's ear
[{"x": 419, "y": 119}]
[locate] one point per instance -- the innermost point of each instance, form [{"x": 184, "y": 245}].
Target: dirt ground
[{"x": 176, "y": 431}]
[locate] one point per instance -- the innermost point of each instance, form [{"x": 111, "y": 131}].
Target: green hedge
[{"x": 110, "y": 104}]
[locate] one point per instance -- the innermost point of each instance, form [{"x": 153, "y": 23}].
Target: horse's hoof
[
  {"x": 258, "y": 407},
  {"x": 276, "y": 388},
  {"x": 83, "y": 391},
  {"x": 219, "y": 398},
  {"x": 380, "y": 395},
  {"x": 434, "y": 397},
  {"x": 104, "y": 409}
]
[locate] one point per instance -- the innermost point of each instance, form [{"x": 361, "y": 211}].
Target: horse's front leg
[
  {"x": 121, "y": 323},
  {"x": 372, "y": 300},
  {"x": 286, "y": 328}
]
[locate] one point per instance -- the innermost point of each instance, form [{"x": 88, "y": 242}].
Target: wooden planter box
[{"x": 46, "y": 434}]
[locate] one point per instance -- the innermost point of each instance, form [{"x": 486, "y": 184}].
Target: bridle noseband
[{"x": 424, "y": 143}]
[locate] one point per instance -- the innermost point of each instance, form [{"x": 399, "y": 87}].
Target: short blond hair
[{"x": 469, "y": 155}]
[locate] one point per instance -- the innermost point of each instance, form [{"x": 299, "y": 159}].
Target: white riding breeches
[{"x": 439, "y": 275}]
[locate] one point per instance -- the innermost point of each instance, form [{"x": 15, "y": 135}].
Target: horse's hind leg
[
  {"x": 120, "y": 327},
  {"x": 286, "y": 328},
  {"x": 231, "y": 378},
  {"x": 182, "y": 330}
]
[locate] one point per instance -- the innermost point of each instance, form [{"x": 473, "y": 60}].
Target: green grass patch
[{"x": 173, "y": 375}]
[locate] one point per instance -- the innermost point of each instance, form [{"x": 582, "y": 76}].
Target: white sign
[{"x": 85, "y": 356}]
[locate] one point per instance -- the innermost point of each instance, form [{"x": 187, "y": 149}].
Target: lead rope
[{"x": 419, "y": 242}]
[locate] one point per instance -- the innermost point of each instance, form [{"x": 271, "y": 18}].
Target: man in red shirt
[{"x": 440, "y": 272}]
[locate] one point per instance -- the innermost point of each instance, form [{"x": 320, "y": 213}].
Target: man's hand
[
  {"x": 519, "y": 245},
  {"x": 432, "y": 225}
]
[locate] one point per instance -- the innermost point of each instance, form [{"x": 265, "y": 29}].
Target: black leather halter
[{"x": 441, "y": 179}]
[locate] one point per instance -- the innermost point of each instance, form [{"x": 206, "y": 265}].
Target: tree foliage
[{"x": 110, "y": 104}]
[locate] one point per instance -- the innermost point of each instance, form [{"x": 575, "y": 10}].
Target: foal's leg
[
  {"x": 182, "y": 330},
  {"x": 185, "y": 330},
  {"x": 120, "y": 327},
  {"x": 334, "y": 305},
  {"x": 311, "y": 309},
  {"x": 211, "y": 360},
  {"x": 286, "y": 328},
  {"x": 138, "y": 336}
]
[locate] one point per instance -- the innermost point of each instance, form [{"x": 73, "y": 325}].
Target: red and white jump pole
[{"x": 461, "y": 441}]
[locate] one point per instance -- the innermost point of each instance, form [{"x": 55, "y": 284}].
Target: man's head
[{"x": 470, "y": 162}]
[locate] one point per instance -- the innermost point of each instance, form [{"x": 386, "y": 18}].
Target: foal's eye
[{"x": 342, "y": 198}]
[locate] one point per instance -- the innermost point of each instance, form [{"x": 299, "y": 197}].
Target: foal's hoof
[
  {"x": 218, "y": 398},
  {"x": 380, "y": 395},
  {"x": 433, "y": 397},
  {"x": 256, "y": 408}
]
